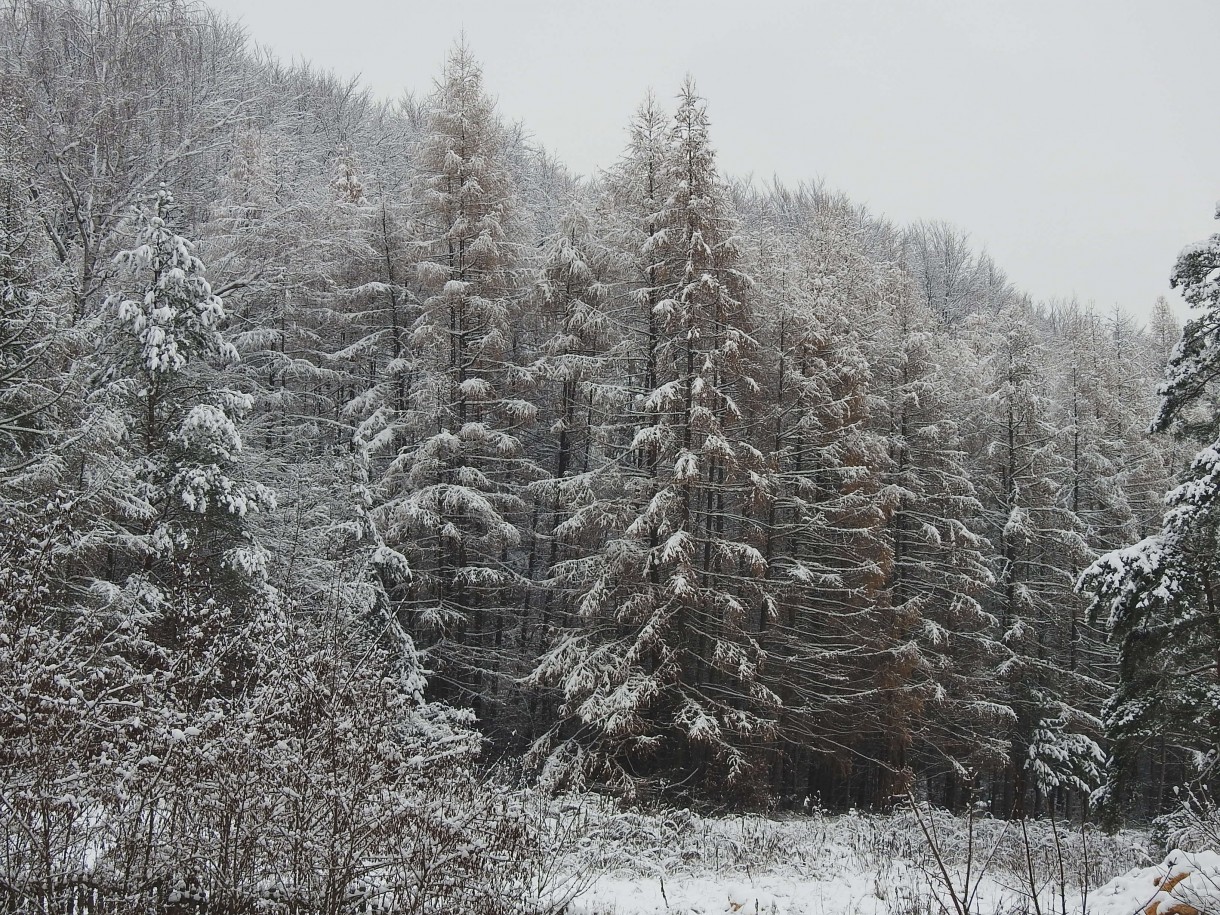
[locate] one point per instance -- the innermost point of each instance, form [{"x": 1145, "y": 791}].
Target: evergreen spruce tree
[
  {"x": 181, "y": 494},
  {"x": 1158, "y": 596}
]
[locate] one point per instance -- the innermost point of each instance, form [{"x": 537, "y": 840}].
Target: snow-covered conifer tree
[
  {"x": 1039, "y": 543},
  {"x": 666, "y": 674},
  {"x": 181, "y": 493},
  {"x": 1164, "y": 332},
  {"x": 449, "y": 468},
  {"x": 581, "y": 399},
  {"x": 1159, "y": 595},
  {"x": 944, "y": 657},
  {"x": 823, "y": 529}
]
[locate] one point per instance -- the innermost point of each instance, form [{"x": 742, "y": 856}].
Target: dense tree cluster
[
  {"x": 333, "y": 430},
  {"x": 1158, "y": 595}
]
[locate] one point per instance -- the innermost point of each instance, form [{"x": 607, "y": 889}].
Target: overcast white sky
[{"x": 1078, "y": 141}]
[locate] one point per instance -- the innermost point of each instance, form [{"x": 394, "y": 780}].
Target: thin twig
[{"x": 1029, "y": 866}]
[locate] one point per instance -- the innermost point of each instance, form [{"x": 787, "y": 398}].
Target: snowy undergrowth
[{"x": 682, "y": 863}]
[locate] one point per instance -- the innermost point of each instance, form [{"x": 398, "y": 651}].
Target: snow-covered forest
[{"x": 366, "y": 477}]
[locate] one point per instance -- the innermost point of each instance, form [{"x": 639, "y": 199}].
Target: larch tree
[
  {"x": 1114, "y": 473},
  {"x": 821, "y": 528},
  {"x": 665, "y": 677},
  {"x": 1039, "y": 542},
  {"x": 581, "y": 399},
  {"x": 1164, "y": 332},
  {"x": 940, "y": 572},
  {"x": 448, "y": 470},
  {"x": 602, "y": 502}
]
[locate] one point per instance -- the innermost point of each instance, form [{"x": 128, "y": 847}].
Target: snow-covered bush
[
  {"x": 1183, "y": 884},
  {"x": 259, "y": 762}
]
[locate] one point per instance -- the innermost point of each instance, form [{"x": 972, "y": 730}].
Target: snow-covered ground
[
  {"x": 682, "y": 864},
  {"x": 1182, "y": 884}
]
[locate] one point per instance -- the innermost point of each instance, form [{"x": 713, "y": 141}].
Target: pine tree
[{"x": 1159, "y": 594}]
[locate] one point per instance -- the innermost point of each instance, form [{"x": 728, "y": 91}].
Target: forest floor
[{"x": 681, "y": 864}]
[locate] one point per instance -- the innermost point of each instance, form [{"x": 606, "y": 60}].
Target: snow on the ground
[
  {"x": 1182, "y": 884},
  {"x": 900, "y": 889},
  {"x": 765, "y": 893},
  {"x": 683, "y": 864}
]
